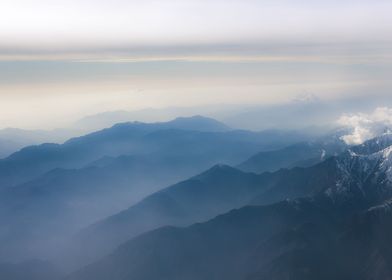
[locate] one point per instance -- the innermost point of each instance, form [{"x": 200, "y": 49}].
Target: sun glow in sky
[{"x": 60, "y": 60}]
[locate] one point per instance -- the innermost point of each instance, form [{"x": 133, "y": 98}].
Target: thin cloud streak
[
  {"x": 351, "y": 52},
  {"x": 96, "y": 55}
]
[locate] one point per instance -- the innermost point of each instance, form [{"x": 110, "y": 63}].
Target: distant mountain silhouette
[
  {"x": 198, "y": 123},
  {"x": 302, "y": 154},
  {"x": 14, "y": 139},
  {"x": 125, "y": 139},
  {"x": 110, "y": 118}
]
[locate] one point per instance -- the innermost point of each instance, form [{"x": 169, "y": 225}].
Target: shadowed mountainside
[{"x": 317, "y": 237}]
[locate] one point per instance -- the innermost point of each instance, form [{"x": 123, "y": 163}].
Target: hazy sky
[{"x": 60, "y": 60}]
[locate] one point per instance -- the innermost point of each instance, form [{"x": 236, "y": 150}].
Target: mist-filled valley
[
  {"x": 51, "y": 194},
  {"x": 193, "y": 198}
]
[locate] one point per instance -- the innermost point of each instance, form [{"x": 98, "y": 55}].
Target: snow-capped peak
[
  {"x": 374, "y": 145},
  {"x": 367, "y": 173},
  {"x": 386, "y": 164},
  {"x": 387, "y": 152}
]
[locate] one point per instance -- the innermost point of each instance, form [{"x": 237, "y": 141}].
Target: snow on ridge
[
  {"x": 386, "y": 164},
  {"x": 385, "y": 207},
  {"x": 366, "y": 165},
  {"x": 387, "y": 152},
  {"x": 356, "y": 168}
]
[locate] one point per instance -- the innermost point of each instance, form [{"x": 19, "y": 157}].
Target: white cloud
[{"x": 366, "y": 126}]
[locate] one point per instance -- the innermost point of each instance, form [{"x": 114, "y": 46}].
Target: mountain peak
[
  {"x": 364, "y": 170},
  {"x": 374, "y": 145},
  {"x": 220, "y": 168},
  {"x": 200, "y": 123},
  {"x": 194, "y": 117}
]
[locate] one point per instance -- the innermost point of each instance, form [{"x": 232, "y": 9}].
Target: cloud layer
[
  {"x": 366, "y": 126},
  {"x": 103, "y": 26}
]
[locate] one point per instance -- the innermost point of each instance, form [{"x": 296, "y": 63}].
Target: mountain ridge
[{"x": 214, "y": 261}]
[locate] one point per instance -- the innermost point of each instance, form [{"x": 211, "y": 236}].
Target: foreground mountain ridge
[{"x": 318, "y": 237}]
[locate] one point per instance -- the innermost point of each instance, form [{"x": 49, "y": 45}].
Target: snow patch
[{"x": 323, "y": 154}]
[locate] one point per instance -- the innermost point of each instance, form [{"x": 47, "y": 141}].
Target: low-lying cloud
[{"x": 366, "y": 126}]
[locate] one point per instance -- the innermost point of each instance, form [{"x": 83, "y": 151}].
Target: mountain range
[
  {"x": 123, "y": 203},
  {"x": 296, "y": 238},
  {"x": 14, "y": 139},
  {"x": 51, "y": 191},
  {"x": 138, "y": 138}
]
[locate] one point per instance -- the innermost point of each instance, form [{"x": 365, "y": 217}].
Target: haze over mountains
[
  {"x": 288, "y": 116},
  {"x": 51, "y": 190},
  {"x": 194, "y": 199},
  {"x": 204, "y": 196},
  {"x": 14, "y": 139},
  {"x": 317, "y": 237},
  {"x": 195, "y": 140}
]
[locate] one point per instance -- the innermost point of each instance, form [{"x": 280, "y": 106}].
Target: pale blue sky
[
  {"x": 60, "y": 60},
  {"x": 82, "y": 25}
]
